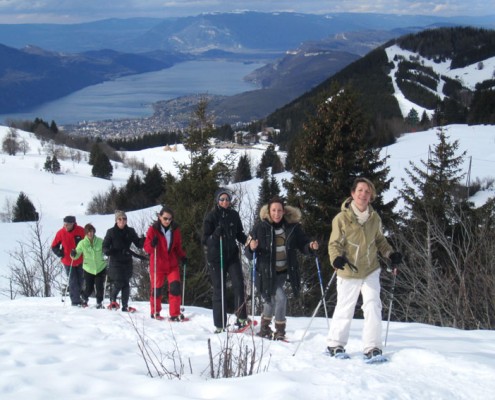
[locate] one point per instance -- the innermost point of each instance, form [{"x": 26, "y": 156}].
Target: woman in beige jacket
[{"x": 355, "y": 241}]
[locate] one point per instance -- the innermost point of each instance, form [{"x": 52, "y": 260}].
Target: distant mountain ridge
[
  {"x": 440, "y": 75},
  {"x": 241, "y": 32},
  {"x": 302, "y": 50}
]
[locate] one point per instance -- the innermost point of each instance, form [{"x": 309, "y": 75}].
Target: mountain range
[{"x": 301, "y": 51}]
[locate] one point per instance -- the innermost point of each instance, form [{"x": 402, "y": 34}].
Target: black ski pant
[
  {"x": 96, "y": 282},
  {"x": 234, "y": 269},
  {"x": 121, "y": 285}
]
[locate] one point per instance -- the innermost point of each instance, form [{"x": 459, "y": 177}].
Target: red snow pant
[{"x": 174, "y": 292}]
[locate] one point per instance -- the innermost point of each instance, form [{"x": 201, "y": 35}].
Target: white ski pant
[{"x": 347, "y": 295}]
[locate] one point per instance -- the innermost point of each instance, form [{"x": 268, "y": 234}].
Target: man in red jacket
[{"x": 66, "y": 239}]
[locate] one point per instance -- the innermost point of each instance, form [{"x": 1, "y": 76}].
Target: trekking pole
[
  {"x": 322, "y": 291},
  {"x": 253, "y": 275},
  {"x": 316, "y": 310},
  {"x": 68, "y": 281},
  {"x": 183, "y": 287},
  {"x": 392, "y": 290},
  {"x": 221, "y": 281},
  {"x": 154, "y": 283},
  {"x": 105, "y": 288}
]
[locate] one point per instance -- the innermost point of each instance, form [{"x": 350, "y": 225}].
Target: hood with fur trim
[{"x": 292, "y": 215}]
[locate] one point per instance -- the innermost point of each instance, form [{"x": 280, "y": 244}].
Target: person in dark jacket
[
  {"x": 116, "y": 245},
  {"x": 276, "y": 239},
  {"x": 222, "y": 230},
  {"x": 164, "y": 245},
  {"x": 66, "y": 240}
]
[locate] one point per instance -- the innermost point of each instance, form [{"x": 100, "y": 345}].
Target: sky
[{"x": 70, "y": 11}]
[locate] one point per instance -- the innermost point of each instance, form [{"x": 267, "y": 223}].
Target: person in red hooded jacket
[
  {"x": 66, "y": 240},
  {"x": 164, "y": 245}
]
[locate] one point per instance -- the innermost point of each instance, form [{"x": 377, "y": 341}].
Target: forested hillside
[{"x": 450, "y": 100}]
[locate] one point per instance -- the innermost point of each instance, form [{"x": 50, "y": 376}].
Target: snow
[
  {"x": 49, "y": 350},
  {"x": 468, "y": 76}
]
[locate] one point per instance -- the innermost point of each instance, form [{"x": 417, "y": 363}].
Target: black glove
[
  {"x": 58, "y": 251},
  {"x": 73, "y": 253},
  {"x": 126, "y": 252},
  {"x": 396, "y": 258},
  {"x": 339, "y": 262},
  {"x": 154, "y": 241},
  {"x": 77, "y": 239},
  {"x": 183, "y": 261},
  {"x": 218, "y": 231}
]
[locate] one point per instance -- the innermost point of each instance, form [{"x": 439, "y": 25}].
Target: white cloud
[{"x": 68, "y": 11}]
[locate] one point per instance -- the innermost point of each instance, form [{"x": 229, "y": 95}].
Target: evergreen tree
[
  {"x": 154, "y": 184},
  {"x": 94, "y": 153},
  {"x": 191, "y": 197},
  {"x": 55, "y": 164},
  {"x": 200, "y": 128},
  {"x": 102, "y": 168},
  {"x": 332, "y": 151},
  {"x": 24, "y": 210},
  {"x": 269, "y": 159},
  {"x": 243, "y": 170},
  {"x": 435, "y": 186},
  {"x": 269, "y": 188},
  {"x": 48, "y": 164}
]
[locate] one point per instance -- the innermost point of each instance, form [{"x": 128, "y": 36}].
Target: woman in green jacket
[{"x": 94, "y": 265}]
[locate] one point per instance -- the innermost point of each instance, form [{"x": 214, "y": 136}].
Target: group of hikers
[{"x": 355, "y": 242}]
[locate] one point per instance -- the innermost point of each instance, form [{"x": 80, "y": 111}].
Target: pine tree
[
  {"x": 269, "y": 159},
  {"x": 102, "y": 168},
  {"x": 48, "y": 164},
  {"x": 243, "y": 170},
  {"x": 190, "y": 195},
  {"x": 154, "y": 184},
  {"x": 269, "y": 188},
  {"x": 332, "y": 151},
  {"x": 24, "y": 210},
  {"x": 434, "y": 187},
  {"x": 55, "y": 164}
]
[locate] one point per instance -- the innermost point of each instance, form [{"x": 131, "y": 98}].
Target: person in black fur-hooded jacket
[
  {"x": 222, "y": 227},
  {"x": 276, "y": 239}
]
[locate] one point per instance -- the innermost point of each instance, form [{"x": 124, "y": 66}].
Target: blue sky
[{"x": 72, "y": 11}]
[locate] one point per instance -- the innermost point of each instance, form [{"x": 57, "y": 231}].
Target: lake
[{"x": 132, "y": 96}]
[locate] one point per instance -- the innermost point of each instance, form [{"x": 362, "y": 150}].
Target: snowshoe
[
  {"x": 337, "y": 352},
  {"x": 113, "y": 305}
]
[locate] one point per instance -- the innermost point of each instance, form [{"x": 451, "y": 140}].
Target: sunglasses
[
  {"x": 166, "y": 219},
  {"x": 122, "y": 218},
  {"x": 221, "y": 199}
]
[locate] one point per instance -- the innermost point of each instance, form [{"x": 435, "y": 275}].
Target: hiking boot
[
  {"x": 99, "y": 306},
  {"x": 128, "y": 309},
  {"x": 157, "y": 316},
  {"x": 177, "y": 318},
  {"x": 372, "y": 353},
  {"x": 219, "y": 330},
  {"x": 265, "y": 330},
  {"x": 279, "y": 333},
  {"x": 334, "y": 351}
]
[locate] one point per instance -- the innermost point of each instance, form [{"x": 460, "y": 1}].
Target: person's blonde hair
[{"x": 370, "y": 185}]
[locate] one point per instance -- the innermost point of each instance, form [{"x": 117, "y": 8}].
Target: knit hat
[
  {"x": 120, "y": 214},
  {"x": 70, "y": 219},
  {"x": 222, "y": 191}
]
